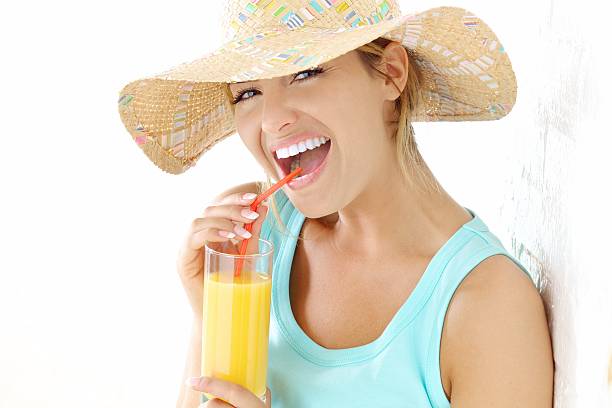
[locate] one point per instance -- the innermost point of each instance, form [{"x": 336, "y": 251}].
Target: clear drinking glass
[{"x": 236, "y": 314}]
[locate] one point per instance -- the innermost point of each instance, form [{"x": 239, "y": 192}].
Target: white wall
[
  {"x": 540, "y": 177},
  {"x": 91, "y": 310}
]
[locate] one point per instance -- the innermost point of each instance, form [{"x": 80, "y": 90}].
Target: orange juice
[{"x": 236, "y": 321}]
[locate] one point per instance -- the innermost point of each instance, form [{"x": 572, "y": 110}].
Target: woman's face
[{"x": 342, "y": 103}]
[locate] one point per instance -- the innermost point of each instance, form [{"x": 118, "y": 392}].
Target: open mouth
[{"x": 308, "y": 160}]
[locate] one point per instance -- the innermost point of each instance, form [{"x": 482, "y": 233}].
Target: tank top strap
[{"x": 404, "y": 359}]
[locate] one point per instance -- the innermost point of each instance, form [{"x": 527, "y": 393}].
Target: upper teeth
[{"x": 304, "y": 145}]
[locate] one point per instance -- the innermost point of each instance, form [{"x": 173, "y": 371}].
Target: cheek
[
  {"x": 349, "y": 103},
  {"x": 358, "y": 126},
  {"x": 248, "y": 127},
  {"x": 252, "y": 143},
  {"x": 351, "y": 117}
]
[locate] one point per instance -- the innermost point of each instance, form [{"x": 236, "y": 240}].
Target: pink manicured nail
[
  {"x": 247, "y": 213},
  {"x": 193, "y": 381},
  {"x": 197, "y": 381},
  {"x": 243, "y": 233},
  {"x": 227, "y": 234}
]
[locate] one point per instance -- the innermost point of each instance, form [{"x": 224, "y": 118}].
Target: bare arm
[
  {"x": 501, "y": 351},
  {"x": 188, "y": 398}
]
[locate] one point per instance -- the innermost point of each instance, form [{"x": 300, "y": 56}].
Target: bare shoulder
[
  {"x": 497, "y": 350},
  {"x": 250, "y": 187}
]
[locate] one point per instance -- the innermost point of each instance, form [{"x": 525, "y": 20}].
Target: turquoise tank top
[{"x": 398, "y": 369}]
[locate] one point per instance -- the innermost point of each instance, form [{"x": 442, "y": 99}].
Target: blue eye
[{"x": 314, "y": 71}]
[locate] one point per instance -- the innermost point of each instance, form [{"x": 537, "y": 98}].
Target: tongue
[{"x": 310, "y": 159}]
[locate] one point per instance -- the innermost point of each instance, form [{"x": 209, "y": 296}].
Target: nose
[{"x": 276, "y": 114}]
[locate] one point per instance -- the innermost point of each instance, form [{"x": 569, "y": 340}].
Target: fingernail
[
  {"x": 196, "y": 381},
  {"x": 244, "y": 233},
  {"x": 249, "y": 214},
  {"x": 249, "y": 196},
  {"x": 227, "y": 234}
]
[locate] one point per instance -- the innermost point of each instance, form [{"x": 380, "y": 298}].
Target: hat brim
[{"x": 179, "y": 114}]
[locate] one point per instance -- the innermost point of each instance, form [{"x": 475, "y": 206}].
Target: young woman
[
  {"x": 368, "y": 239},
  {"x": 386, "y": 292}
]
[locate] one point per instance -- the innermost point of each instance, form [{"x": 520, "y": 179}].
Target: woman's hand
[
  {"x": 228, "y": 394},
  {"x": 224, "y": 217}
]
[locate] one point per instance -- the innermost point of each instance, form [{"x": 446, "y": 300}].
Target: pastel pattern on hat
[{"x": 177, "y": 115}]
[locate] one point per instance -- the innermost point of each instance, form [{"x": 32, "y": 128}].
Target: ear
[{"x": 395, "y": 64}]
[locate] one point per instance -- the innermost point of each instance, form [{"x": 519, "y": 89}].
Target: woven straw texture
[{"x": 177, "y": 115}]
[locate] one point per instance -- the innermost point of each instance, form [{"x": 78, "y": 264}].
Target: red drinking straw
[{"x": 254, "y": 207}]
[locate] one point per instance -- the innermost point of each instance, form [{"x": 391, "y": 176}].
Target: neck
[{"x": 394, "y": 219}]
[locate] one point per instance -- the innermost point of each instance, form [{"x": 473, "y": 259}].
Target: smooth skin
[{"x": 496, "y": 349}]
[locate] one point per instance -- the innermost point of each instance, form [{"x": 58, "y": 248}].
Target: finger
[
  {"x": 239, "y": 213},
  {"x": 200, "y": 224},
  {"x": 216, "y": 403},
  {"x": 207, "y": 229},
  {"x": 230, "y": 392},
  {"x": 234, "y": 231},
  {"x": 237, "y": 199}
]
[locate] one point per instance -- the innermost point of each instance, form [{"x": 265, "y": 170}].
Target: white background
[{"x": 92, "y": 313}]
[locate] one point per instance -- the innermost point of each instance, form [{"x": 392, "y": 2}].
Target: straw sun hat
[{"x": 179, "y": 114}]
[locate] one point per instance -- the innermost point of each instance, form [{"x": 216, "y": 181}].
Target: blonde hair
[{"x": 414, "y": 170}]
